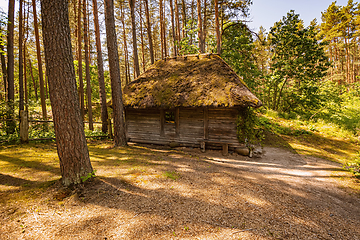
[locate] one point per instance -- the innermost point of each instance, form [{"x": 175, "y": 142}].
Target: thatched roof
[{"x": 189, "y": 81}]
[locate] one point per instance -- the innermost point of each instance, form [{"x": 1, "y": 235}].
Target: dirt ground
[{"x": 186, "y": 194}]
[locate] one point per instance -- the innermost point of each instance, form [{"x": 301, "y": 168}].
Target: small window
[{"x": 170, "y": 117}]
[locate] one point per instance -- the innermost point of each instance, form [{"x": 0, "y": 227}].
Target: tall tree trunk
[
  {"x": 79, "y": 57},
  {"x": 151, "y": 48},
  {"x": 38, "y": 50},
  {"x": 21, "y": 80},
  {"x": 33, "y": 80},
  {"x": 164, "y": 31},
  {"x": 3, "y": 68},
  {"x": 133, "y": 26},
  {"x": 173, "y": 28},
  {"x": 118, "y": 108},
  {"x": 161, "y": 29},
  {"x": 142, "y": 37},
  {"x": 204, "y": 26},
  {"x": 101, "y": 79},
  {"x": 10, "y": 69},
  {"x": 70, "y": 137},
  {"x": 218, "y": 37},
  {"x": 127, "y": 67},
  {"x": 178, "y": 35},
  {"x": 26, "y": 27},
  {"x": 87, "y": 67},
  {"x": 200, "y": 33},
  {"x": 183, "y": 12}
]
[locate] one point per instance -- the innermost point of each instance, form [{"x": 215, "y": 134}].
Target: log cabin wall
[{"x": 191, "y": 125}]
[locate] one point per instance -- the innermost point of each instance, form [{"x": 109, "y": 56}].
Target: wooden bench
[{"x": 225, "y": 146}]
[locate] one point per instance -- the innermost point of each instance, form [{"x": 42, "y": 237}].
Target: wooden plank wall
[{"x": 144, "y": 125}]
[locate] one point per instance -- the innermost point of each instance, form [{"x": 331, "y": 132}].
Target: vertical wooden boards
[
  {"x": 177, "y": 122},
  {"x": 162, "y": 122},
  {"x": 206, "y": 123}
]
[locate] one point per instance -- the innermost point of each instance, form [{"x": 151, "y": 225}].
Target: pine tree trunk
[
  {"x": 200, "y": 33},
  {"x": 183, "y": 12},
  {"x": 101, "y": 79},
  {"x": 151, "y": 48},
  {"x": 10, "y": 69},
  {"x": 161, "y": 29},
  {"x": 70, "y": 138},
  {"x": 164, "y": 31},
  {"x": 79, "y": 57},
  {"x": 142, "y": 38},
  {"x": 33, "y": 80},
  {"x": 38, "y": 51},
  {"x": 87, "y": 67},
  {"x": 218, "y": 37},
  {"x": 118, "y": 108},
  {"x": 127, "y": 67},
  {"x": 204, "y": 27},
  {"x": 133, "y": 25},
  {"x": 21, "y": 80},
  {"x": 178, "y": 35},
  {"x": 173, "y": 28},
  {"x": 3, "y": 67}
]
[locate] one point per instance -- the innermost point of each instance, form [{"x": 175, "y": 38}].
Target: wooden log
[
  {"x": 162, "y": 122},
  {"x": 177, "y": 122},
  {"x": 206, "y": 123}
]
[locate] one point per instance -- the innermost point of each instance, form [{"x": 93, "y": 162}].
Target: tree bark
[
  {"x": 118, "y": 108},
  {"x": 183, "y": 8},
  {"x": 218, "y": 37},
  {"x": 142, "y": 38},
  {"x": 133, "y": 25},
  {"x": 127, "y": 68},
  {"x": 10, "y": 69},
  {"x": 41, "y": 78},
  {"x": 33, "y": 80},
  {"x": 173, "y": 28},
  {"x": 102, "y": 93},
  {"x": 87, "y": 67},
  {"x": 200, "y": 33},
  {"x": 3, "y": 68},
  {"x": 204, "y": 26},
  {"x": 161, "y": 29},
  {"x": 178, "y": 35},
  {"x": 70, "y": 137},
  {"x": 151, "y": 48},
  {"x": 21, "y": 80},
  {"x": 79, "y": 57}
]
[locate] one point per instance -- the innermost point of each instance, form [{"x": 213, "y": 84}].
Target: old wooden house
[{"x": 191, "y": 100}]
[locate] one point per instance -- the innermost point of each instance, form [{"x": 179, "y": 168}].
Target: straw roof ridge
[{"x": 203, "y": 80}]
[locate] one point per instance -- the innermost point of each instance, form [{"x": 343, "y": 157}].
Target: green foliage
[
  {"x": 354, "y": 166},
  {"x": 237, "y": 48},
  {"x": 88, "y": 176},
  {"x": 298, "y": 64},
  {"x": 249, "y": 127},
  {"x": 172, "y": 175},
  {"x": 189, "y": 44}
]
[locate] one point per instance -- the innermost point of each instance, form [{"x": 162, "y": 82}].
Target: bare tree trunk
[
  {"x": 183, "y": 8},
  {"x": 178, "y": 35},
  {"x": 200, "y": 33},
  {"x": 70, "y": 138},
  {"x": 38, "y": 50},
  {"x": 27, "y": 89},
  {"x": 3, "y": 68},
  {"x": 87, "y": 66},
  {"x": 102, "y": 93},
  {"x": 161, "y": 29},
  {"x": 136, "y": 57},
  {"x": 142, "y": 38},
  {"x": 152, "y": 58},
  {"x": 118, "y": 108},
  {"x": 10, "y": 69},
  {"x": 218, "y": 37},
  {"x": 21, "y": 79},
  {"x": 80, "y": 73},
  {"x": 164, "y": 31},
  {"x": 33, "y": 80},
  {"x": 173, "y": 28},
  {"x": 127, "y": 67},
  {"x": 204, "y": 26}
]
